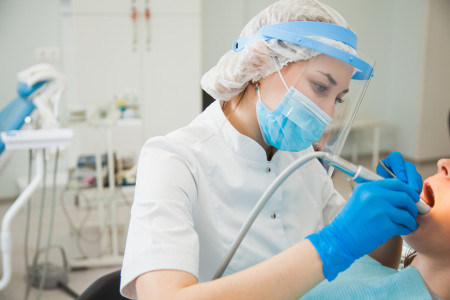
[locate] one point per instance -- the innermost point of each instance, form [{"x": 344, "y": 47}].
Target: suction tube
[{"x": 358, "y": 173}]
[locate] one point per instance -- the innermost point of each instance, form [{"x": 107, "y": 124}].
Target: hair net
[{"x": 235, "y": 70}]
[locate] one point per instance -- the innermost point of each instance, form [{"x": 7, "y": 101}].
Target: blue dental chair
[
  {"x": 39, "y": 90},
  {"x": 32, "y": 83},
  {"x": 13, "y": 116}
]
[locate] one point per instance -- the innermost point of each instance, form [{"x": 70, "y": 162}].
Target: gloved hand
[
  {"x": 404, "y": 170},
  {"x": 375, "y": 212}
]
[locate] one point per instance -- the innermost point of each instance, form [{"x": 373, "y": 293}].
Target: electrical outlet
[{"x": 47, "y": 53}]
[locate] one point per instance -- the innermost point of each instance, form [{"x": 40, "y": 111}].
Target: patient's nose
[{"x": 444, "y": 167}]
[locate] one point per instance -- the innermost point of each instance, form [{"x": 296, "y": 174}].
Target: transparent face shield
[
  {"x": 336, "y": 133},
  {"x": 334, "y": 81}
]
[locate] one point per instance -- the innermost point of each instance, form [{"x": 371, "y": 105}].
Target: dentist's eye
[
  {"x": 339, "y": 100},
  {"x": 320, "y": 88}
]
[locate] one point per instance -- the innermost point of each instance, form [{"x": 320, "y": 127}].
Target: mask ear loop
[
  {"x": 257, "y": 91},
  {"x": 279, "y": 73}
]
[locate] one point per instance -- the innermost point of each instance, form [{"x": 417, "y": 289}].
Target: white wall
[
  {"x": 222, "y": 23},
  {"x": 432, "y": 131},
  {"x": 406, "y": 74},
  {"x": 24, "y": 26}
]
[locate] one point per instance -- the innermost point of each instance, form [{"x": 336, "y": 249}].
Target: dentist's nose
[{"x": 330, "y": 108}]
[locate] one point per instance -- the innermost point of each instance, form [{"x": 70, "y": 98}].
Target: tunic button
[
  {"x": 267, "y": 170},
  {"x": 273, "y": 216}
]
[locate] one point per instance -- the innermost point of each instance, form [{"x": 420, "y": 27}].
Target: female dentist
[{"x": 276, "y": 92}]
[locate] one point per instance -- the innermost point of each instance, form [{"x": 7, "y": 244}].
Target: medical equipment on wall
[
  {"x": 40, "y": 87},
  {"x": 357, "y": 173}
]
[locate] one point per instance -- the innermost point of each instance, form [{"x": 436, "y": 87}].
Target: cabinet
[
  {"x": 148, "y": 47},
  {"x": 151, "y": 47}
]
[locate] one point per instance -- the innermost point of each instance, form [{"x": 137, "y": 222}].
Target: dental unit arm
[{"x": 358, "y": 174}]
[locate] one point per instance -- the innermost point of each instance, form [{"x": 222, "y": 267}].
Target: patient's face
[{"x": 433, "y": 233}]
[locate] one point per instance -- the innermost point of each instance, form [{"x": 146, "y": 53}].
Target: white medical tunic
[{"x": 196, "y": 187}]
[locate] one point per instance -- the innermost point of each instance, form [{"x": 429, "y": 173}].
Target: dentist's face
[
  {"x": 323, "y": 79},
  {"x": 432, "y": 236}
]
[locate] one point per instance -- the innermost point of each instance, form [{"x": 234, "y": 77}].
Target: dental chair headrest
[
  {"x": 24, "y": 90},
  {"x": 38, "y": 73}
]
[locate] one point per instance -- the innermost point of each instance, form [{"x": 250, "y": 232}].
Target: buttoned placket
[{"x": 268, "y": 171}]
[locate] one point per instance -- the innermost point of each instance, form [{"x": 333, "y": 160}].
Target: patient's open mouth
[{"x": 428, "y": 195}]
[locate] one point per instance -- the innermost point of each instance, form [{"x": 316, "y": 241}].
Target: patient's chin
[{"x": 428, "y": 242}]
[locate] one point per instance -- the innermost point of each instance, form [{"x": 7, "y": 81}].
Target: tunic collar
[{"x": 241, "y": 144}]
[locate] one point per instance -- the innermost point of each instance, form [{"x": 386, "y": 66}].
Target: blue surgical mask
[{"x": 294, "y": 124}]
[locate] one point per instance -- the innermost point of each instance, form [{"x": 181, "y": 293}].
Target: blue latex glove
[
  {"x": 404, "y": 170},
  {"x": 375, "y": 212}
]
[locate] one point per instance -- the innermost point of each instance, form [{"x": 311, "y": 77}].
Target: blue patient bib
[{"x": 368, "y": 279}]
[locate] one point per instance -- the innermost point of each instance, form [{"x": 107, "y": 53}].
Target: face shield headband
[{"x": 300, "y": 33}]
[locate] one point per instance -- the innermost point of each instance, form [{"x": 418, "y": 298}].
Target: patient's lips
[{"x": 428, "y": 194}]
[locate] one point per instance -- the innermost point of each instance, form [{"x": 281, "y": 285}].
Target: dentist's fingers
[
  {"x": 395, "y": 184},
  {"x": 403, "y": 170},
  {"x": 394, "y": 162},
  {"x": 404, "y": 220}
]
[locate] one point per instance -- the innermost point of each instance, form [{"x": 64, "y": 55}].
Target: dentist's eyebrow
[
  {"x": 332, "y": 81},
  {"x": 330, "y": 78}
]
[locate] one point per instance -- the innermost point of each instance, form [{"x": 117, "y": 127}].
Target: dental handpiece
[{"x": 361, "y": 174}]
